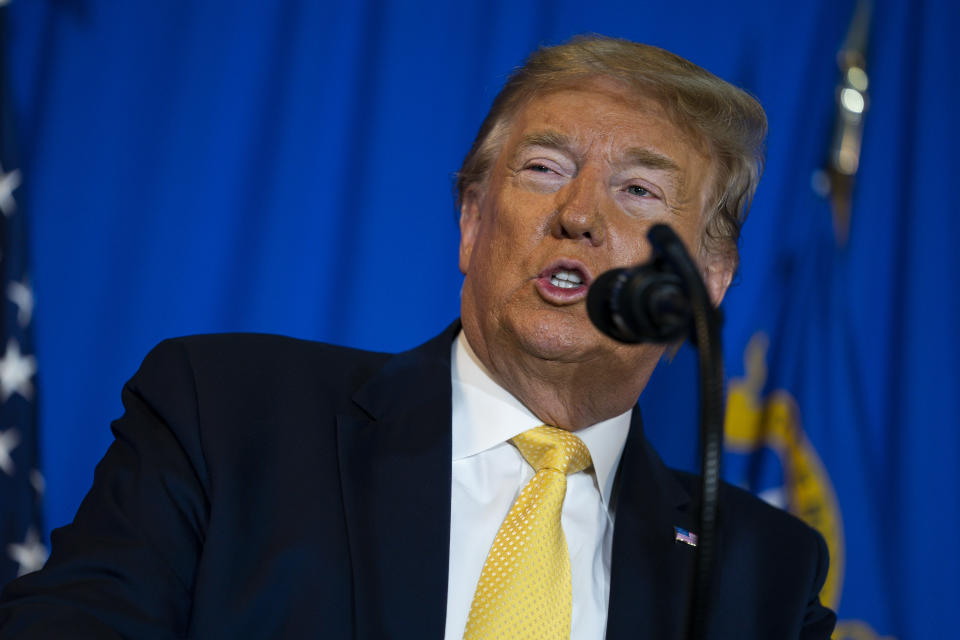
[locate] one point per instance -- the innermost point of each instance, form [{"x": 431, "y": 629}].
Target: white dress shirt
[{"x": 488, "y": 474}]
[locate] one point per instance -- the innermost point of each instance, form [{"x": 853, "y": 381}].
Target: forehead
[{"x": 604, "y": 119}]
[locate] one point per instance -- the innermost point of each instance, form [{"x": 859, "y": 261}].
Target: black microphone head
[
  {"x": 603, "y": 291},
  {"x": 646, "y": 303}
]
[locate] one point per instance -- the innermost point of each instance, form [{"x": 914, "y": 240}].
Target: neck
[{"x": 571, "y": 395}]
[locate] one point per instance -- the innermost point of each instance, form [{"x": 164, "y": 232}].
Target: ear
[
  {"x": 717, "y": 273},
  {"x": 469, "y": 224}
]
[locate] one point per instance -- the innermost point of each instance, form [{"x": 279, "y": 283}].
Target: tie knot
[{"x": 546, "y": 447}]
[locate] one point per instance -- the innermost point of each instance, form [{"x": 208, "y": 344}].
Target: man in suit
[{"x": 267, "y": 487}]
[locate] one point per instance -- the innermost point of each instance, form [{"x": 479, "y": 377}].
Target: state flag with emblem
[{"x": 21, "y": 483}]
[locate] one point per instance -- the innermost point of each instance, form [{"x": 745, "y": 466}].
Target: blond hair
[{"x": 730, "y": 121}]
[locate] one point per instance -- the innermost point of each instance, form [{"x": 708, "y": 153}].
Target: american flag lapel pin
[{"x": 687, "y": 537}]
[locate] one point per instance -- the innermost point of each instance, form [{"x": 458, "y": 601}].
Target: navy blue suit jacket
[{"x": 268, "y": 487}]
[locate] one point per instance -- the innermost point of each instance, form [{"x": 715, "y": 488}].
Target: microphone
[
  {"x": 646, "y": 303},
  {"x": 662, "y": 301}
]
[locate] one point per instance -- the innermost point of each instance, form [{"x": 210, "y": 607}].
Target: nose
[{"x": 579, "y": 215}]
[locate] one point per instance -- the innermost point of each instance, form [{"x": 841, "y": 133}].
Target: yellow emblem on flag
[{"x": 754, "y": 422}]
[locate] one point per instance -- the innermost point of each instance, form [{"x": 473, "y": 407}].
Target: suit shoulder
[
  {"x": 242, "y": 364},
  {"x": 259, "y": 351},
  {"x": 272, "y": 345}
]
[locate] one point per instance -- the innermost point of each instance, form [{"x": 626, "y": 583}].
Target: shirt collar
[{"x": 486, "y": 415}]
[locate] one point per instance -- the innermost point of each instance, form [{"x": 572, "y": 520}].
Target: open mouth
[
  {"x": 566, "y": 278},
  {"x": 564, "y": 281}
]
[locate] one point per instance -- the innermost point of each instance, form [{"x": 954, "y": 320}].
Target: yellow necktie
[{"x": 524, "y": 588}]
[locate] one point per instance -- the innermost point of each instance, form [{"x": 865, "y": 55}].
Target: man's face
[{"x": 583, "y": 175}]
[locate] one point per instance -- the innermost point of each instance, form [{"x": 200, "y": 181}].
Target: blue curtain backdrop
[{"x": 203, "y": 165}]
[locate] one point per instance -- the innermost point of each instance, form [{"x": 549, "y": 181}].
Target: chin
[{"x": 563, "y": 338}]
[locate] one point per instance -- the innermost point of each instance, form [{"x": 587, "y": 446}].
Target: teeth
[{"x": 566, "y": 279}]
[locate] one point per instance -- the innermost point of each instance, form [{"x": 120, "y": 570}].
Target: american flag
[
  {"x": 21, "y": 484},
  {"x": 682, "y": 535}
]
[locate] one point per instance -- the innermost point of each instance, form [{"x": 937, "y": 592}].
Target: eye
[
  {"x": 639, "y": 191},
  {"x": 539, "y": 168},
  {"x": 543, "y": 172}
]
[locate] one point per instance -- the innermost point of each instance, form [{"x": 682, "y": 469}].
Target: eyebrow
[
  {"x": 652, "y": 159},
  {"x": 641, "y": 156},
  {"x": 548, "y": 139}
]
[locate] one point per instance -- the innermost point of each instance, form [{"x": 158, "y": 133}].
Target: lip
[{"x": 557, "y": 295}]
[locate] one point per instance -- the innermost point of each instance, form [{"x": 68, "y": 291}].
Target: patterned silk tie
[{"x": 524, "y": 588}]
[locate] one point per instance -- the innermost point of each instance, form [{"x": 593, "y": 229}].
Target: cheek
[
  {"x": 691, "y": 233},
  {"x": 493, "y": 255},
  {"x": 522, "y": 208},
  {"x": 629, "y": 246},
  {"x": 515, "y": 229}
]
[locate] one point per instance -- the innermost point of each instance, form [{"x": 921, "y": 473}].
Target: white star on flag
[
  {"x": 9, "y": 440},
  {"x": 15, "y": 372},
  {"x": 8, "y": 183},
  {"x": 19, "y": 293},
  {"x": 30, "y": 555}
]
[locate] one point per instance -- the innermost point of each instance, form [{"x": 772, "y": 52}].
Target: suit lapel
[
  {"x": 651, "y": 572},
  {"x": 395, "y": 472}
]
